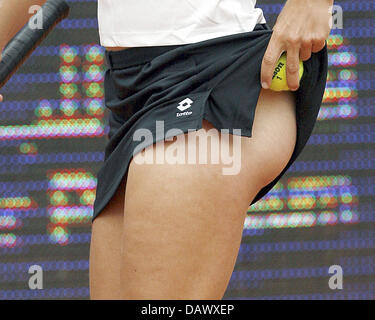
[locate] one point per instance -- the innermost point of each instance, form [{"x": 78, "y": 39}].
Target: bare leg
[
  {"x": 105, "y": 249},
  {"x": 198, "y": 229},
  {"x": 183, "y": 223}
]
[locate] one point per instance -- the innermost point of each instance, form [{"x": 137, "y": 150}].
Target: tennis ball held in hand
[{"x": 279, "y": 81}]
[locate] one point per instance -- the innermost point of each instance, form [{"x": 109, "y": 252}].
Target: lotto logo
[{"x": 185, "y": 104}]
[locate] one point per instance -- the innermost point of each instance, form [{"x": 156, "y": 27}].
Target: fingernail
[{"x": 265, "y": 85}]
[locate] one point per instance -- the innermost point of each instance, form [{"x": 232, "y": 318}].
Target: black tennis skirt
[{"x": 217, "y": 79}]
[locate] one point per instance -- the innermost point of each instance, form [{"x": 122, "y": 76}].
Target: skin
[
  {"x": 173, "y": 231},
  {"x": 191, "y": 249},
  {"x": 301, "y": 28},
  {"x": 180, "y": 225}
]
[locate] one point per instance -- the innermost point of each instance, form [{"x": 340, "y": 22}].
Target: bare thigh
[
  {"x": 105, "y": 249},
  {"x": 182, "y": 224}
]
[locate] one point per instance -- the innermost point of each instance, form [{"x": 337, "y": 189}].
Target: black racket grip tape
[{"x": 27, "y": 39}]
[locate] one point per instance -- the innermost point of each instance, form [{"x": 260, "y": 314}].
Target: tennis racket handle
[{"x": 20, "y": 47}]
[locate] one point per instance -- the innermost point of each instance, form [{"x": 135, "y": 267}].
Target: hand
[{"x": 301, "y": 28}]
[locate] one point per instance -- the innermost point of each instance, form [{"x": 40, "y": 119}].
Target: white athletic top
[{"x": 140, "y": 23}]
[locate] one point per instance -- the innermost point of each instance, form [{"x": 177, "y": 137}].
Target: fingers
[
  {"x": 318, "y": 44},
  {"x": 298, "y": 48},
  {"x": 1, "y": 98},
  {"x": 306, "y": 48},
  {"x": 277, "y": 45},
  {"x": 270, "y": 59},
  {"x": 292, "y": 67},
  {"x": 318, "y": 39}
]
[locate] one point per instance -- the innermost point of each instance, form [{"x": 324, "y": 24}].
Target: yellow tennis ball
[{"x": 279, "y": 82}]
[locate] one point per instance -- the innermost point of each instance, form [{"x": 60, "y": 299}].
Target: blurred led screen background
[{"x": 53, "y": 127}]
